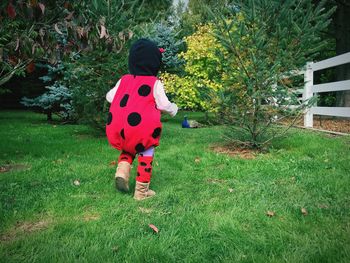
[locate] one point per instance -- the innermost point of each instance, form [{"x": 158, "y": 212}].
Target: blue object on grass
[{"x": 185, "y": 123}]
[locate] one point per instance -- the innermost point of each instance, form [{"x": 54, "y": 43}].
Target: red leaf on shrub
[
  {"x": 66, "y": 5},
  {"x": 11, "y": 10},
  {"x": 30, "y": 67},
  {"x": 154, "y": 228}
]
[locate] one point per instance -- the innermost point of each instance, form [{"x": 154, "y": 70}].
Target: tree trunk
[
  {"x": 49, "y": 116},
  {"x": 342, "y": 26}
]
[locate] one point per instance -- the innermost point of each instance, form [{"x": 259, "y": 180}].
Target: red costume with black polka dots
[{"x": 133, "y": 123}]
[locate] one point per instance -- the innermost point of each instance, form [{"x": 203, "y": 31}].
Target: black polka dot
[
  {"x": 124, "y": 158},
  {"x": 134, "y": 119},
  {"x": 139, "y": 147},
  {"x": 109, "y": 118},
  {"x": 156, "y": 132},
  {"x": 124, "y": 100},
  {"x": 122, "y": 134},
  {"x": 144, "y": 90},
  {"x": 148, "y": 170},
  {"x": 143, "y": 164},
  {"x": 138, "y": 174}
]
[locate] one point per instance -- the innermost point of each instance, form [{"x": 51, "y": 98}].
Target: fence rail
[{"x": 310, "y": 89}]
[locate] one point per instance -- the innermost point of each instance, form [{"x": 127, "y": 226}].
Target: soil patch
[
  {"x": 243, "y": 153},
  {"x": 24, "y": 228},
  {"x": 14, "y": 167}
]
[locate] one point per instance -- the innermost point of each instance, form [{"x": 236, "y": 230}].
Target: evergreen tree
[{"x": 266, "y": 40}]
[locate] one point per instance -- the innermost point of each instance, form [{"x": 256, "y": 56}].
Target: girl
[{"x": 133, "y": 124}]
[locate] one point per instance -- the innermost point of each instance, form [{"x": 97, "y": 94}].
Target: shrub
[{"x": 195, "y": 89}]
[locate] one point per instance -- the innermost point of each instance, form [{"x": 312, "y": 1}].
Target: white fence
[{"x": 310, "y": 89}]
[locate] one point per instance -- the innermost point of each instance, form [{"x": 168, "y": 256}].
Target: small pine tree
[
  {"x": 166, "y": 37},
  {"x": 58, "y": 98},
  {"x": 265, "y": 41}
]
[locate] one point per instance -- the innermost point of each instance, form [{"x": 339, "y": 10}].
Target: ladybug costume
[
  {"x": 134, "y": 121},
  {"x": 133, "y": 124}
]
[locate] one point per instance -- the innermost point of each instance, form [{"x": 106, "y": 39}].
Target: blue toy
[{"x": 185, "y": 123}]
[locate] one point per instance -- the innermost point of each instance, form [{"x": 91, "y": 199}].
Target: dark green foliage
[
  {"x": 90, "y": 77},
  {"x": 266, "y": 41}
]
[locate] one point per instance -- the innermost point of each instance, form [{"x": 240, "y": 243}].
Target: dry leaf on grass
[
  {"x": 154, "y": 228},
  {"x": 304, "y": 211},
  {"x": 145, "y": 210},
  {"x": 230, "y": 190},
  {"x": 270, "y": 213},
  {"x": 76, "y": 182},
  {"x": 113, "y": 163},
  {"x": 197, "y": 160}
]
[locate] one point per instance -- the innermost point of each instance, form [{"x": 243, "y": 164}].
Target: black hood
[{"x": 144, "y": 58}]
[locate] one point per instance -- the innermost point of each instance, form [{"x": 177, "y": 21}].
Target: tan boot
[
  {"x": 142, "y": 191},
  {"x": 122, "y": 176}
]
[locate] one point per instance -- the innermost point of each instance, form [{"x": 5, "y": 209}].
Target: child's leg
[
  {"x": 123, "y": 171},
  {"x": 126, "y": 157},
  {"x": 144, "y": 174},
  {"x": 144, "y": 167}
]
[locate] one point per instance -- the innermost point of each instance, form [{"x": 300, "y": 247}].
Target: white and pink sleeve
[
  {"x": 110, "y": 94},
  {"x": 162, "y": 101}
]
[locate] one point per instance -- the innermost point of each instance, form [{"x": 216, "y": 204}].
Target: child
[{"x": 133, "y": 124}]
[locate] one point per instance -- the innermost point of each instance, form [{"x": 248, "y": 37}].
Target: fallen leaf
[
  {"x": 230, "y": 190},
  {"x": 76, "y": 182},
  {"x": 115, "y": 249},
  {"x": 17, "y": 44},
  {"x": 304, "y": 211},
  {"x": 113, "y": 163},
  {"x": 323, "y": 206},
  {"x": 58, "y": 30},
  {"x": 103, "y": 32},
  {"x": 154, "y": 228},
  {"x": 197, "y": 160},
  {"x": 42, "y": 7},
  {"x": 270, "y": 213},
  {"x": 69, "y": 16},
  {"x": 145, "y": 210}
]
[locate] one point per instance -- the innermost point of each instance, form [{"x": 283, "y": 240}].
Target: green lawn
[{"x": 209, "y": 210}]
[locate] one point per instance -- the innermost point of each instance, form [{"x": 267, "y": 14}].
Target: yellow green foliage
[{"x": 197, "y": 88}]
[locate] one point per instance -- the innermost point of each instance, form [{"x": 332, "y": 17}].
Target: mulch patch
[{"x": 327, "y": 123}]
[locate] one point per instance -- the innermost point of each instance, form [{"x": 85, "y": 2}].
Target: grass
[{"x": 209, "y": 207}]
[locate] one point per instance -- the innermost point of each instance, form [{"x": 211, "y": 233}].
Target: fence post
[{"x": 307, "y": 94}]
